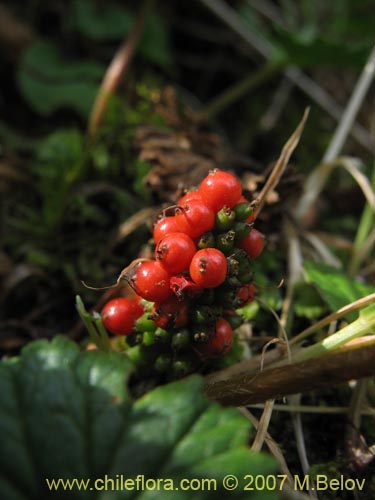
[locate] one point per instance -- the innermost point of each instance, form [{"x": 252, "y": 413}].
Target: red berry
[
  {"x": 151, "y": 281},
  {"x": 208, "y": 268},
  {"x": 220, "y": 189},
  {"x": 175, "y": 251},
  {"x": 220, "y": 342},
  {"x": 195, "y": 218},
  {"x": 190, "y": 196},
  {"x": 119, "y": 315},
  {"x": 164, "y": 226},
  {"x": 245, "y": 294},
  {"x": 253, "y": 243},
  {"x": 172, "y": 313}
]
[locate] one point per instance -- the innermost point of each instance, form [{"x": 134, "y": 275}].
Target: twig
[
  {"x": 339, "y": 137},
  {"x": 280, "y": 165},
  {"x": 300, "y": 441},
  {"x": 355, "y": 102},
  {"x": 365, "y": 236},
  {"x": 324, "y": 410},
  {"x": 294, "y": 270},
  {"x": 263, "y": 426},
  {"x": 117, "y": 69},
  {"x": 353, "y": 361},
  {"x": 271, "y": 444}
]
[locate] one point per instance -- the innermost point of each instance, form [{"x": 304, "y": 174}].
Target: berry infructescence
[{"x": 185, "y": 309}]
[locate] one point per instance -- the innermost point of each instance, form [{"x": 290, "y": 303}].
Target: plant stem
[
  {"x": 365, "y": 225},
  {"x": 349, "y": 362},
  {"x": 318, "y": 182},
  {"x": 94, "y": 326},
  {"x": 364, "y": 301},
  {"x": 361, "y": 326},
  {"x": 117, "y": 69}
]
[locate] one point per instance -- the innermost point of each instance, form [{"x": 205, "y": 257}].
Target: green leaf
[
  {"x": 49, "y": 81},
  {"x": 336, "y": 288},
  {"x": 307, "y": 52},
  {"x": 59, "y": 163},
  {"x": 101, "y": 22},
  {"x": 108, "y": 22},
  {"x": 307, "y": 302},
  {"x": 67, "y": 414},
  {"x": 155, "y": 44},
  {"x": 59, "y": 156}
]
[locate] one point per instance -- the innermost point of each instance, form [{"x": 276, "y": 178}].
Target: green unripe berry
[
  {"x": 145, "y": 324},
  {"x": 242, "y": 229},
  {"x": 162, "y": 363},
  {"x": 225, "y": 241},
  {"x": 148, "y": 338},
  {"x": 224, "y": 219},
  {"x": 136, "y": 354},
  {"x": 181, "y": 367},
  {"x": 207, "y": 240},
  {"x": 181, "y": 339},
  {"x": 242, "y": 211},
  {"x": 162, "y": 335}
]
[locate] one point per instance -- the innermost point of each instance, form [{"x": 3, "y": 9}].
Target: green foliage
[
  {"x": 307, "y": 302},
  {"x": 59, "y": 163},
  {"x": 100, "y": 22},
  {"x": 108, "y": 22},
  {"x": 68, "y": 414},
  {"x": 336, "y": 288},
  {"x": 155, "y": 44},
  {"x": 310, "y": 35},
  {"x": 50, "y": 80},
  {"x": 307, "y": 52}
]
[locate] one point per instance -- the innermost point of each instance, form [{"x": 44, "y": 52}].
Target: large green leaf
[
  {"x": 336, "y": 288},
  {"x": 49, "y": 81},
  {"x": 101, "y": 22},
  {"x": 66, "y": 414},
  {"x": 110, "y": 22}
]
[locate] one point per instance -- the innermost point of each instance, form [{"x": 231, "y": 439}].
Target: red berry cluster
[{"x": 202, "y": 273}]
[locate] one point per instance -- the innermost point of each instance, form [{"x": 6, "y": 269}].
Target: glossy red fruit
[
  {"x": 245, "y": 294},
  {"x": 220, "y": 189},
  {"x": 164, "y": 226},
  {"x": 172, "y": 313},
  {"x": 151, "y": 281},
  {"x": 190, "y": 196},
  {"x": 208, "y": 268},
  {"x": 175, "y": 251},
  {"x": 195, "y": 218},
  {"x": 253, "y": 243},
  {"x": 119, "y": 315},
  {"x": 220, "y": 341}
]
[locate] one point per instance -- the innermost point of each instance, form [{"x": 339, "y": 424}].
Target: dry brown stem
[
  {"x": 117, "y": 69},
  {"x": 352, "y": 361},
  {"x": 280, "y": 165}
]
